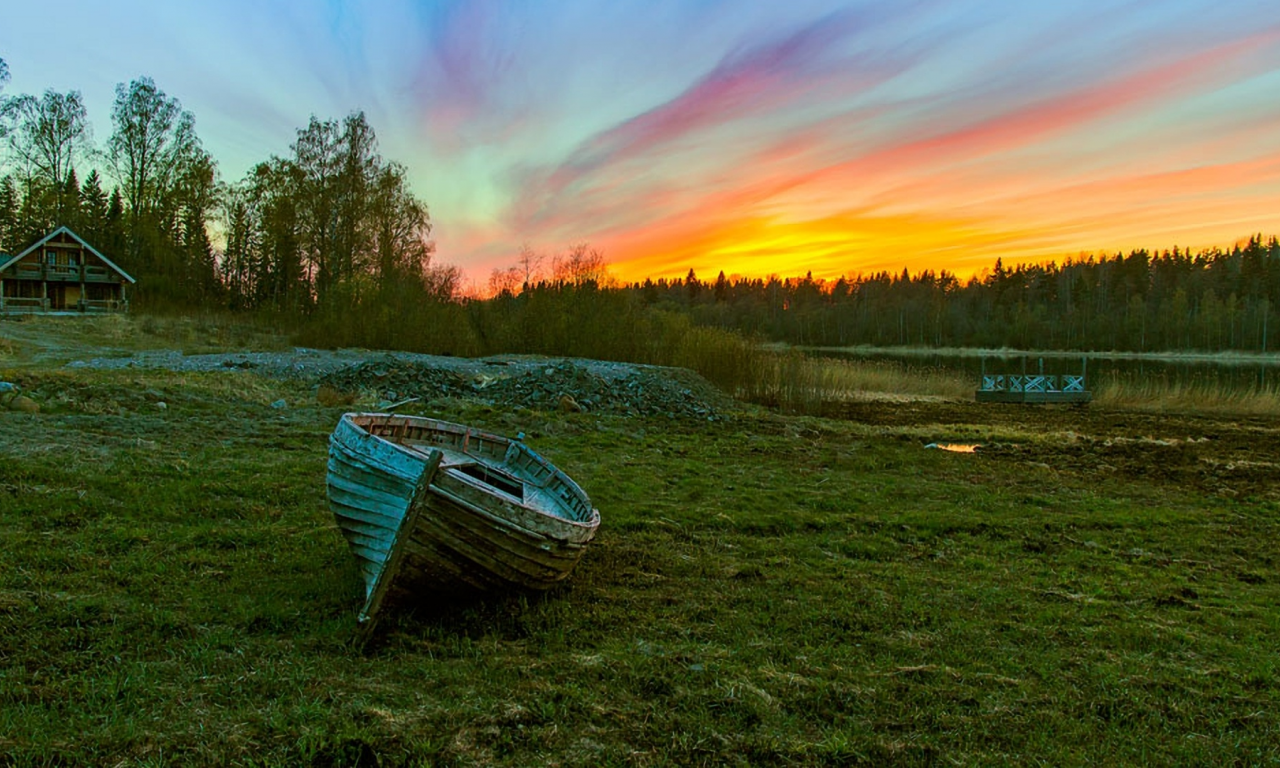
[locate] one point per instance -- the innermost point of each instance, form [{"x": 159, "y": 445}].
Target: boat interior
[{"x": 492, "y": 463}]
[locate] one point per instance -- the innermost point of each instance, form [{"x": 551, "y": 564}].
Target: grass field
[{"x": 1094, "y": 587}]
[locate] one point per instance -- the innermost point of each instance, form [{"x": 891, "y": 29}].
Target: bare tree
[
  {"x": 169, "y": 187},
  {"x": 330, "y": 227},
  {"x": 400, "y": 227},
  {"x": 530, "y": 264},
  {"x": 46, "y": 135},
  {"x": 4, "y": 74},
  {"x": 153, "y": 136},
  {"x": 580, "y": 266},
  {"x": 504, "y": 282},
  {"x": 339, "y": 164}
]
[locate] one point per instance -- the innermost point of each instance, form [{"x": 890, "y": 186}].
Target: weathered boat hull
[{"x": 436, "y": 511}]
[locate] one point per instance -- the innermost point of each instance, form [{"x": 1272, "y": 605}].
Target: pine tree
[
  {"x": 68, "y": 210},
  {"x": 8, "y": 215},
  {"x": 93, "y": 209}
]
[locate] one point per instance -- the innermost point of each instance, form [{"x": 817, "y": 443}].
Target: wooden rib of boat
[{"x": 434, "y": 510}]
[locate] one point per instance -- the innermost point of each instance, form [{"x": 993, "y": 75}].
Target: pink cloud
[
  {"x": 1074, "y": 110},
  {"x": 759, "y": 81}
]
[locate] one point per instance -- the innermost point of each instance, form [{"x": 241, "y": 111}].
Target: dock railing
[{"x": 1033, "y": 387}]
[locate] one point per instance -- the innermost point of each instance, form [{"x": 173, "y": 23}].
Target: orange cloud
[{"x": 958, "y": 200}]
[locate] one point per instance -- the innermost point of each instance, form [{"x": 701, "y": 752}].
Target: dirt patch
[{"x": 1228, "y": 456}]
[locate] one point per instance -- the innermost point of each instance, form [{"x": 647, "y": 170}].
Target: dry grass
[
  {"x": 54, "y": 339},
  {"x": 206, "y": 333},
  {"x": 788, "y": 379},
  {"x": 800, "y": 384},
  {"x": 1206, "y": 396}
]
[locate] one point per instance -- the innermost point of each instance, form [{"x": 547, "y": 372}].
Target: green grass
[{"x": 769, "y": 590}]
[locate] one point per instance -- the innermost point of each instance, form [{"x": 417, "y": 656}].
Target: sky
[{"x": 753, "y": 137}]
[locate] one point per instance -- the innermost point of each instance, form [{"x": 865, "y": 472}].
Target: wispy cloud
[{"x": 751, "y": 136}]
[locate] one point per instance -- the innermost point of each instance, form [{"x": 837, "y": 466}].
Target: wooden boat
[{"x": 434, "y": 510}]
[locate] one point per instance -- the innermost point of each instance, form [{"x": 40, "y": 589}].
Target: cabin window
[
  {"x": 493, "y": 479},
  {"x": 50, "y": 258}
]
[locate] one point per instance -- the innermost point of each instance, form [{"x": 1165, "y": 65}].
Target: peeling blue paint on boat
[{"x": 432, "y": 509}]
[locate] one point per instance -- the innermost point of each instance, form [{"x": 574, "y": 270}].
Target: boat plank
[
  {"x": 530, "y": 563},
  {"x": 392, "y": 566},
  {"x": 493, "y": 515}
]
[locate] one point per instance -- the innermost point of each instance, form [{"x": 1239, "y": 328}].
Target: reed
[
  {"x": 796, "y": 383},
  {"x": 724, "y": 358},
  {"x": 785, "y": 379},
  {"x": 1199, "y": 395}
]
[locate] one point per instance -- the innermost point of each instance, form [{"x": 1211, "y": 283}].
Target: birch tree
[
  {"x": 152, "y": 137},
  {"x": 168, "y": 183},
  {"x": 45, "y": 136}
]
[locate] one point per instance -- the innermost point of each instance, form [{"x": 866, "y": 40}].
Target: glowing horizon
[{"x": 751, "y": 138}]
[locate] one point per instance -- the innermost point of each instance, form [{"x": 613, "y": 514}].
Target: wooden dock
[{"x": 1036, "y": 388}]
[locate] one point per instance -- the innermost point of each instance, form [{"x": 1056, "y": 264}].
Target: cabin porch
[
  {"x": 24, "y": 296},
  {"x": 62, "y": 273}
]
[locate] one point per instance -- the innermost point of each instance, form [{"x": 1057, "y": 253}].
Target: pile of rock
[
  {"x": 569, "y": 386},
  {"x": 395, "y": 379},
  {"x": 557, "y": 384}
]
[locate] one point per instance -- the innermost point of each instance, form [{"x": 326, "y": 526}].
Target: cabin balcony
[
  {"x": 65, "y": 274},
  {"x": 62, "y": 274},
  {"x": 94, "y": 274}
]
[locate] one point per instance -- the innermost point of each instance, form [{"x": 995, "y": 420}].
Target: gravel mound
[
  {"x": 510, "y": 381},
  {"x": 555, "y": 384},
  {"x": 392, "y": 378}
]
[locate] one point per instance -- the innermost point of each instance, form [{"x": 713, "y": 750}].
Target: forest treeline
[
  {"x": 329, "y": 241},
  {"x": 1213, "y": 299}
]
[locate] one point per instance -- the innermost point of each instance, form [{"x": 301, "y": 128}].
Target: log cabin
[{"x": 62, "y": 272}]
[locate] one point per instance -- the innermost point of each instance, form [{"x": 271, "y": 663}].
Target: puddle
[{"x": 956, "y": 447}]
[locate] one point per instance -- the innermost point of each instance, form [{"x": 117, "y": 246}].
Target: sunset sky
[{"x": 753, "y": 137}]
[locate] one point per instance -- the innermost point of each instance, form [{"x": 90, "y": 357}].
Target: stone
[{"x": 24, "y": 404}]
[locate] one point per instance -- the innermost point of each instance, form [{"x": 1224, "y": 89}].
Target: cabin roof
[{"x": 6, "y": 261}]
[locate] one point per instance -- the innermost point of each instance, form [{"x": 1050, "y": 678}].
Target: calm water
[{"x": 1236, "y": 373}]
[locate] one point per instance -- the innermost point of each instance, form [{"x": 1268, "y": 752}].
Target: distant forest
[
  {"x": 1172, "y": 300},
  {"x": 330, "y": 242}
]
